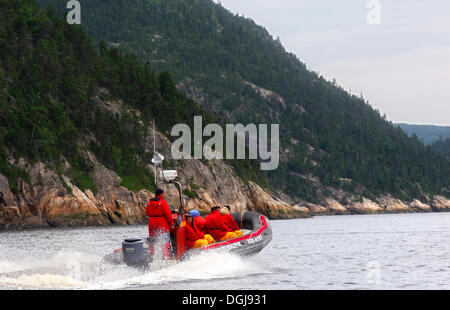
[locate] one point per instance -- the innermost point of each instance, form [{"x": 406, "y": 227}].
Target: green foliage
[
  {"x": 137, "y": 183},
  {"x": 81, "y": 173},
  {"x": 12, "y": 172},
  {"x": 66, "y": 186},
  {"x": 49, "y": 108},
  {"x": 189, "y": 193},
  {"x": 442, "y": 146},
  {"x": 194, "y": 186},
  {"x": 53, "y": 72}
]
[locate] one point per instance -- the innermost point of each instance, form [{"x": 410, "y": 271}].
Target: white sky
[{"x": 402, "y": 65}]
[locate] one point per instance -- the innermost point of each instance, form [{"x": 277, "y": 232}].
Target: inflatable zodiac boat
[
  {"x": 257, "y": 235},
  {"x": 256, "y": 229}
]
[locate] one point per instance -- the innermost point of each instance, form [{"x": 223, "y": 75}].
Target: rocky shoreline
[
  {"x": 50, "y": 199},
  {"x": 46, "y": 203}
]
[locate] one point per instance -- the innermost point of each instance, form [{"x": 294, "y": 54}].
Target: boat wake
[
  {"x": 64, "y": 270},
  {"x": 76, "y": 270}
]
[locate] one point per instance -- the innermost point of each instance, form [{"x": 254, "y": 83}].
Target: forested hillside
[
  {"x": 235, "y": 68},
  {"x": 428, "y": 134},
  {"x": 442, "y": 146},
  {"x": 52, "y": 80}
]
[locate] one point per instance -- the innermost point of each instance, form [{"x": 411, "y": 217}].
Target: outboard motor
[{"x": 135, "y": 252}]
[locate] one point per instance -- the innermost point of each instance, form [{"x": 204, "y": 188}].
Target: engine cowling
[{"x": 135, "y": 252}]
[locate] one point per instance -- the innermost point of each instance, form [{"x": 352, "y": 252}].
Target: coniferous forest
[
  {"x": 51, "y": 74},
  {"x": 442, "y": 146},
  {"x": 142, "y": 50}
]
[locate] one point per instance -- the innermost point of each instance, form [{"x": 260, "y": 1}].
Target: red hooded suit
[
  {"x": 229, "y": 221},
  {"x": 192, "y": 234},
  {"x": 200, "y": 223},
  {"x": 160, "y": 217},
  {"x": 215, "y": 225}
]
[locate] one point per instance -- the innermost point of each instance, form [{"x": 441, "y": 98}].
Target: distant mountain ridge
[{"x": 428, "y": 134}]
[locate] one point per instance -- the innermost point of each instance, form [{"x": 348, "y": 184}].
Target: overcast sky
[{"x": 401, "y": 65}]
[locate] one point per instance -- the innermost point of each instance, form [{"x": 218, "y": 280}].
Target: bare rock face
[
  {"x": 420, "y": 206},
  {"x": 218, "y": 185},
  {"x": 335, "y": 206},
  {"x": 365, "y": 206},
  {"x": 4, "y": 189},
  {"x": 271, "y": 206},
  {"x": 4, "y": 183},
  {"x": 52, "y": 200},
  {"x": 383, "y": 204},
  {"x": 394, "y": 205},
  {"x": 104, "y": 178},
  {"x": 440, "y": 203}
]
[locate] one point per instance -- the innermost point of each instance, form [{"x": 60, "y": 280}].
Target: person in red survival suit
[
  {"x": 195, "y": 238},
  {"x": 229, "y": 221},
  {"x": 216, "y": 227},
  {"x": 200, "y": 224},
  {"x": 199, "y": 221},
  {"x": 160, "y": 222}
]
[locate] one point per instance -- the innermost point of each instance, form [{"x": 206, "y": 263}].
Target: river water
[{"x": 393, "y": 251}]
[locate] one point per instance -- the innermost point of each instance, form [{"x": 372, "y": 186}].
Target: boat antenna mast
[
  {"x": 157, "y": 157},
  {"x": 168, "y": 176}
]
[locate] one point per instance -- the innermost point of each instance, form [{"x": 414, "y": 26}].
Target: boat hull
[
  {"x": 250, "y": 243},
  {"x": 258, "y": 235}
]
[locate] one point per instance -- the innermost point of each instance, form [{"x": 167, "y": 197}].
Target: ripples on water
[{"x": 404, "y": 251}]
